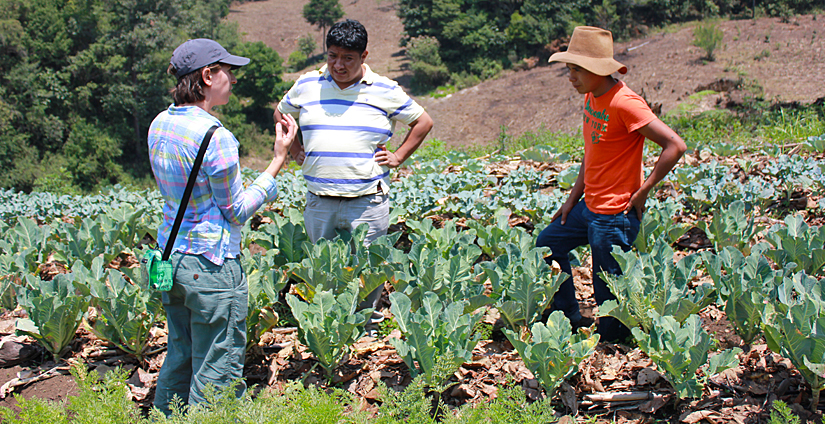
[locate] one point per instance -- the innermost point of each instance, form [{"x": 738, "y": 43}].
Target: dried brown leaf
[
  {"x": 696, "y": 416},
  {"x": 568, "y": 397},
  {"x": 646, "y": 376}
]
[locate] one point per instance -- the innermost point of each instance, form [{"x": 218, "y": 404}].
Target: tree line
[{"x": 81, "y": 80}]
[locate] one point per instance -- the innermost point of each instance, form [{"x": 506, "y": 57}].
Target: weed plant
[
  {"x": 99, "y": 400},
  {"x": 781, "y": 414},
  {"x": 105, "y": 400},
  {"x": 506, "y": 144},
  {"x": 414, "y": 406},
  {"x": 792, "y": 125},
  {"x": 753, "y": 127},
  {"x": 708, "y": 37},
  {"x": 295, "y": 405}
]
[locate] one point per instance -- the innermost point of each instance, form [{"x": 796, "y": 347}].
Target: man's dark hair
[{"x": 349, "y": 34}]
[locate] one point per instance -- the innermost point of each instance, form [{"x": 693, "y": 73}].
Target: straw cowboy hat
[{"x": 592, "y": 49}]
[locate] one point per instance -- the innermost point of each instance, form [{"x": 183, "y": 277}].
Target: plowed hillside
[{"x": 786, "y": 60}]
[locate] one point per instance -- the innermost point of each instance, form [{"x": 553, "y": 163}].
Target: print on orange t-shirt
[{"x": 613, "y": 148}]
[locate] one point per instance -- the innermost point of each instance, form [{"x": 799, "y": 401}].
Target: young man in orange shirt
[{"x": 616, "y": 122}]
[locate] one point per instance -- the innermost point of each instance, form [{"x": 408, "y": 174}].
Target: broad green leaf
[
  {"x": 433, "y": 331},
  {"x": 679, "y": 351},
  {"x": 329, "y": 324},
  {"x": 553, "y": 354},
  {"x": 55, "y": 309}
]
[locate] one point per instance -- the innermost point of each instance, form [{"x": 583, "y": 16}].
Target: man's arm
[
  {"x": 418, "y": 130},
  {"x": 673, "y": 147},
  {"x": 296, "y": 150},
  {"x": 575, "y": 195}
]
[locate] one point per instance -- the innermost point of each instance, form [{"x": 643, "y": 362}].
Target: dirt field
[
  {"x": 664, "y": 67},
  {"x": 785, "y": 59}
]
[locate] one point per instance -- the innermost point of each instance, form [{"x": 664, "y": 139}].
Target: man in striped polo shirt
[{"x": 347, "y": 114}]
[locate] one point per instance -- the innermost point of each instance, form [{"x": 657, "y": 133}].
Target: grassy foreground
[{"x": 105, "y": 400}]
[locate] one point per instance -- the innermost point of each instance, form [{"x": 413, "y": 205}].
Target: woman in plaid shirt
[{"x": 207, "y": 306}]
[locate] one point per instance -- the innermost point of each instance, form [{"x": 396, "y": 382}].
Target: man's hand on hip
[{"x": 387, "y": 158}]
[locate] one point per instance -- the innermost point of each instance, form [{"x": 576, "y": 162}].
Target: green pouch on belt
[{"x": 156, "y": 271}]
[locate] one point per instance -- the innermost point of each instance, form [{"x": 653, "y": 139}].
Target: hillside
[{"x": 783, "y": 59}]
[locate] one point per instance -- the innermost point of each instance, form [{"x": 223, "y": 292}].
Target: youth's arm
[
  {"x": 418, "y": 130},
  {"x": 673, "y": 147}
]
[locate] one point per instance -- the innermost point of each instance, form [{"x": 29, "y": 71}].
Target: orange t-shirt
[{"x": 613, "y": 148}]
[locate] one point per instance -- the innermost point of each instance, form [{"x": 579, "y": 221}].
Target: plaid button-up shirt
[{"x": 219, "y": 204}]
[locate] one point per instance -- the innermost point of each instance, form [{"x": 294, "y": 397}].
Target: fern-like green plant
[{"x": 782, "y": 414}]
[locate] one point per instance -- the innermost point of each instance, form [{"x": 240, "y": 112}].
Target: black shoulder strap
[{"x": 196, "y": 166}]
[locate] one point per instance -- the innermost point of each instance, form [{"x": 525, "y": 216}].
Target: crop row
[
  {"x": 767, "y": 280},
  {"x": 442, "y": 283},
  {"x": 464, "y": 187}
]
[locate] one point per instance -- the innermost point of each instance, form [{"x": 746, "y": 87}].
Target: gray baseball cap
[{"x": 195, "y": 54}]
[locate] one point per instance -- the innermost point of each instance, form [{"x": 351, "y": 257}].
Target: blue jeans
[
  {"x": 601, "y": 232},
  {"x": 206, "y": 315}
]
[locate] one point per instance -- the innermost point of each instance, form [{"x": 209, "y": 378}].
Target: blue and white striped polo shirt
[{"x": 343, "y": 129}]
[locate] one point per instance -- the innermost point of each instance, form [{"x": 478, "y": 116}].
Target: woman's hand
[{"x": 285, "y": 131}]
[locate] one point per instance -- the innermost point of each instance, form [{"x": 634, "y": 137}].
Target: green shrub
[
  {"x": 486, "y": 68},
  {"x": 464, "y": 79},
  {"x": 59, "y": 182},
  {"x": 431, "y": 149},
  {"x": 296, "y": 61},
  {"x": 707, "y": 37},
  {"x": 425, "y": 61},
  {"x": 307, "y": 45},
  {"x": 91, "y": 153},
  {"x": 260, "y": 80}
]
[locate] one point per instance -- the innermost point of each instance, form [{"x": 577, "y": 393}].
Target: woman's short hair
[{"x": 189, "y": 88}]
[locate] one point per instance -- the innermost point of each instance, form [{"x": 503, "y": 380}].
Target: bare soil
[
  {"x": 782, "y": 60},
  {"x": 666, "y": 69}
]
